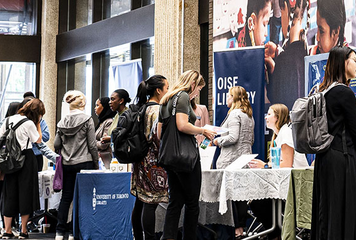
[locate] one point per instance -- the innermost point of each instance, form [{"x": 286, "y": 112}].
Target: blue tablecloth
[{"x": 102, "y": 206}]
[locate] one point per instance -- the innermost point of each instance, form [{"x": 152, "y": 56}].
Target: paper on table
[
  {"x": 218, "y": 130},
  {"x": 206, "y": 157},
  {"x": 241, "y": 161}
]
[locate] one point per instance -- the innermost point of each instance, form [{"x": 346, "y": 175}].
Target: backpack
[
  {"x": 310, "y": 124},
  {"x": 11, "y": 157},
  {"x": 130, "y": 143}
]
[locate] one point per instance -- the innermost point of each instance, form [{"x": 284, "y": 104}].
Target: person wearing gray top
[
  {"x": 241, "y": 124},
  {"x": 76, "y": 139},
  {"x": 236, "y": 142}
]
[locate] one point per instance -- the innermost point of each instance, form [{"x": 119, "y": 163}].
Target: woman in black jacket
[{"x": 334, "y": 197}]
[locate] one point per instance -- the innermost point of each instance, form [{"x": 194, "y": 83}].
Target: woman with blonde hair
[
  {"x": 184, "y": 187},
  {"x": 20, "y": 190},
  {"x": 277, "y": 119},
  {"x": 236, "y": 142},
  {"x": 75, "y": 138},
  {"x": 241, "y": 124}
]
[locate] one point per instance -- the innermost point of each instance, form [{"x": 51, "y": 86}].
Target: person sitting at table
[
  {"x": 75, "y": 138},
  {"x": 149, "y": 181},
  {"x": 277, "y": 119},
  {"x": 236, "y": 142},
  {"x": 20, "y": 193},
  {"x": 105, "y": 115}
]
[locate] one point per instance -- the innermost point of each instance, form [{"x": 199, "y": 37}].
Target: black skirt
[
  {"x": 334, "y": 196},
  {"x": 20, "y": 191}
]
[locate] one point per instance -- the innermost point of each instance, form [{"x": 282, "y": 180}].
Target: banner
[
  {"x": 314, "y": 70},
  {"x": 241, "y": 67},
  {"x": 128, "y": 76}
]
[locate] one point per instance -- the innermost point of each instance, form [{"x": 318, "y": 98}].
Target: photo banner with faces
[{"x": 241, "y": 67}]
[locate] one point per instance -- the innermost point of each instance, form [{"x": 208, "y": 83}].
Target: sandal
[
  {"x": 7, "y": 235},
  {"x": 23, "y": 235}
]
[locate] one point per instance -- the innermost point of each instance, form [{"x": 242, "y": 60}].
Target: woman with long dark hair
[
  {"x": 334, "y": 209},
  {"x": 105, "y": 116},
  {"x": 149, "y": 181}
]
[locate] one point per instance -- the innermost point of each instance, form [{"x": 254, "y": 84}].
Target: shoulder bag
[
  {"x": 178, "y": 151},
  {"x": 58, "y": 175}
]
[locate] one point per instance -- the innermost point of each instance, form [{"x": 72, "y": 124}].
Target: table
[
  {"x": 244, "y": 185},
  {"x": 220, "y": 187},
  {"x": 102, "y": 206},
  {"x": 298, "y": 209},
  {"x": 46, "y": 193}
]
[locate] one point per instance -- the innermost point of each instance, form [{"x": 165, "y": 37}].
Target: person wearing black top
[{"x": 334, "y": 197}]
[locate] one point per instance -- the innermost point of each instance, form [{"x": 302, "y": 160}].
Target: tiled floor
[{"x": 35, "y": 236}]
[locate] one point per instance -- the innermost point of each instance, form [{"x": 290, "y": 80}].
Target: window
[
  {"x": 18, "y": 17},
  {"x": 120, "y": 6},
  {"x": 83, "y": 80},
  {"x": 15, "y": 79}
]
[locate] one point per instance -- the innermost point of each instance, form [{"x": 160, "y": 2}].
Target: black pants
[
  {"x": 39, "y": 162},
  {"x": 262, "y": 209},
  {"x": 69, "y": 177},
  {"x": 184, "y": 189},
  {"x": 143, "y": 220},
  {"x": 20, "y": 192},
  {"x": 239, "y": 209}
]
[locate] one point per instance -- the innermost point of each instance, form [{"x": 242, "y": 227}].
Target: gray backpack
[{"x": 310, "y": 124}]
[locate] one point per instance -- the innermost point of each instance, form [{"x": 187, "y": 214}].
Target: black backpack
[
  {"x": 130, "y": 143},
  {"x": 11, "y": 157}
]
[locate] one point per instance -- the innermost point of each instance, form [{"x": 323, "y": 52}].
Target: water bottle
[{"x": 205, "y": 143}]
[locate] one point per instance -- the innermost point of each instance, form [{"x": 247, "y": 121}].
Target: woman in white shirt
[
  {"x": 20, "y": 192},
  {"x": 278, "y": 119}
]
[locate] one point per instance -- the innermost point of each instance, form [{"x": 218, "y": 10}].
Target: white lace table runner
[{"x": 243, "y": 185}]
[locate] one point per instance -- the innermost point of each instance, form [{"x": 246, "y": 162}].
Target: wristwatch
[{"x": 266, "y": 165}]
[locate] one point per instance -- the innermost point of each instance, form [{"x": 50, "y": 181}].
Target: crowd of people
[{"x": 81, "y": 145}]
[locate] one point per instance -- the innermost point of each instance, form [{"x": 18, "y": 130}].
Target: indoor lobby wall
[
  {"x": 48, "y": 71},
  {"x": 168, "y": 35}
]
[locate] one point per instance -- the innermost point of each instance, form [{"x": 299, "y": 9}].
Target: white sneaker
[
  {"x": 59, "y": 237},
  {"x": 70, "y": 237}
]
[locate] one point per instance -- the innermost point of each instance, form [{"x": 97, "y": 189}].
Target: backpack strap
[
  {"x": 7, "y": 123},
  {"x": 151, "y": 104},
  {"x": 20, "y": 123}
]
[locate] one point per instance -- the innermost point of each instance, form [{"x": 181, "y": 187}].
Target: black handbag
[{"x": 178, "y": 151}]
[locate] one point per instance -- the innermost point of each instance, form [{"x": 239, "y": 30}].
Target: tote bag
[
  {"x": 58, "y": 175},
  {"x": 178, "y": 151}
]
